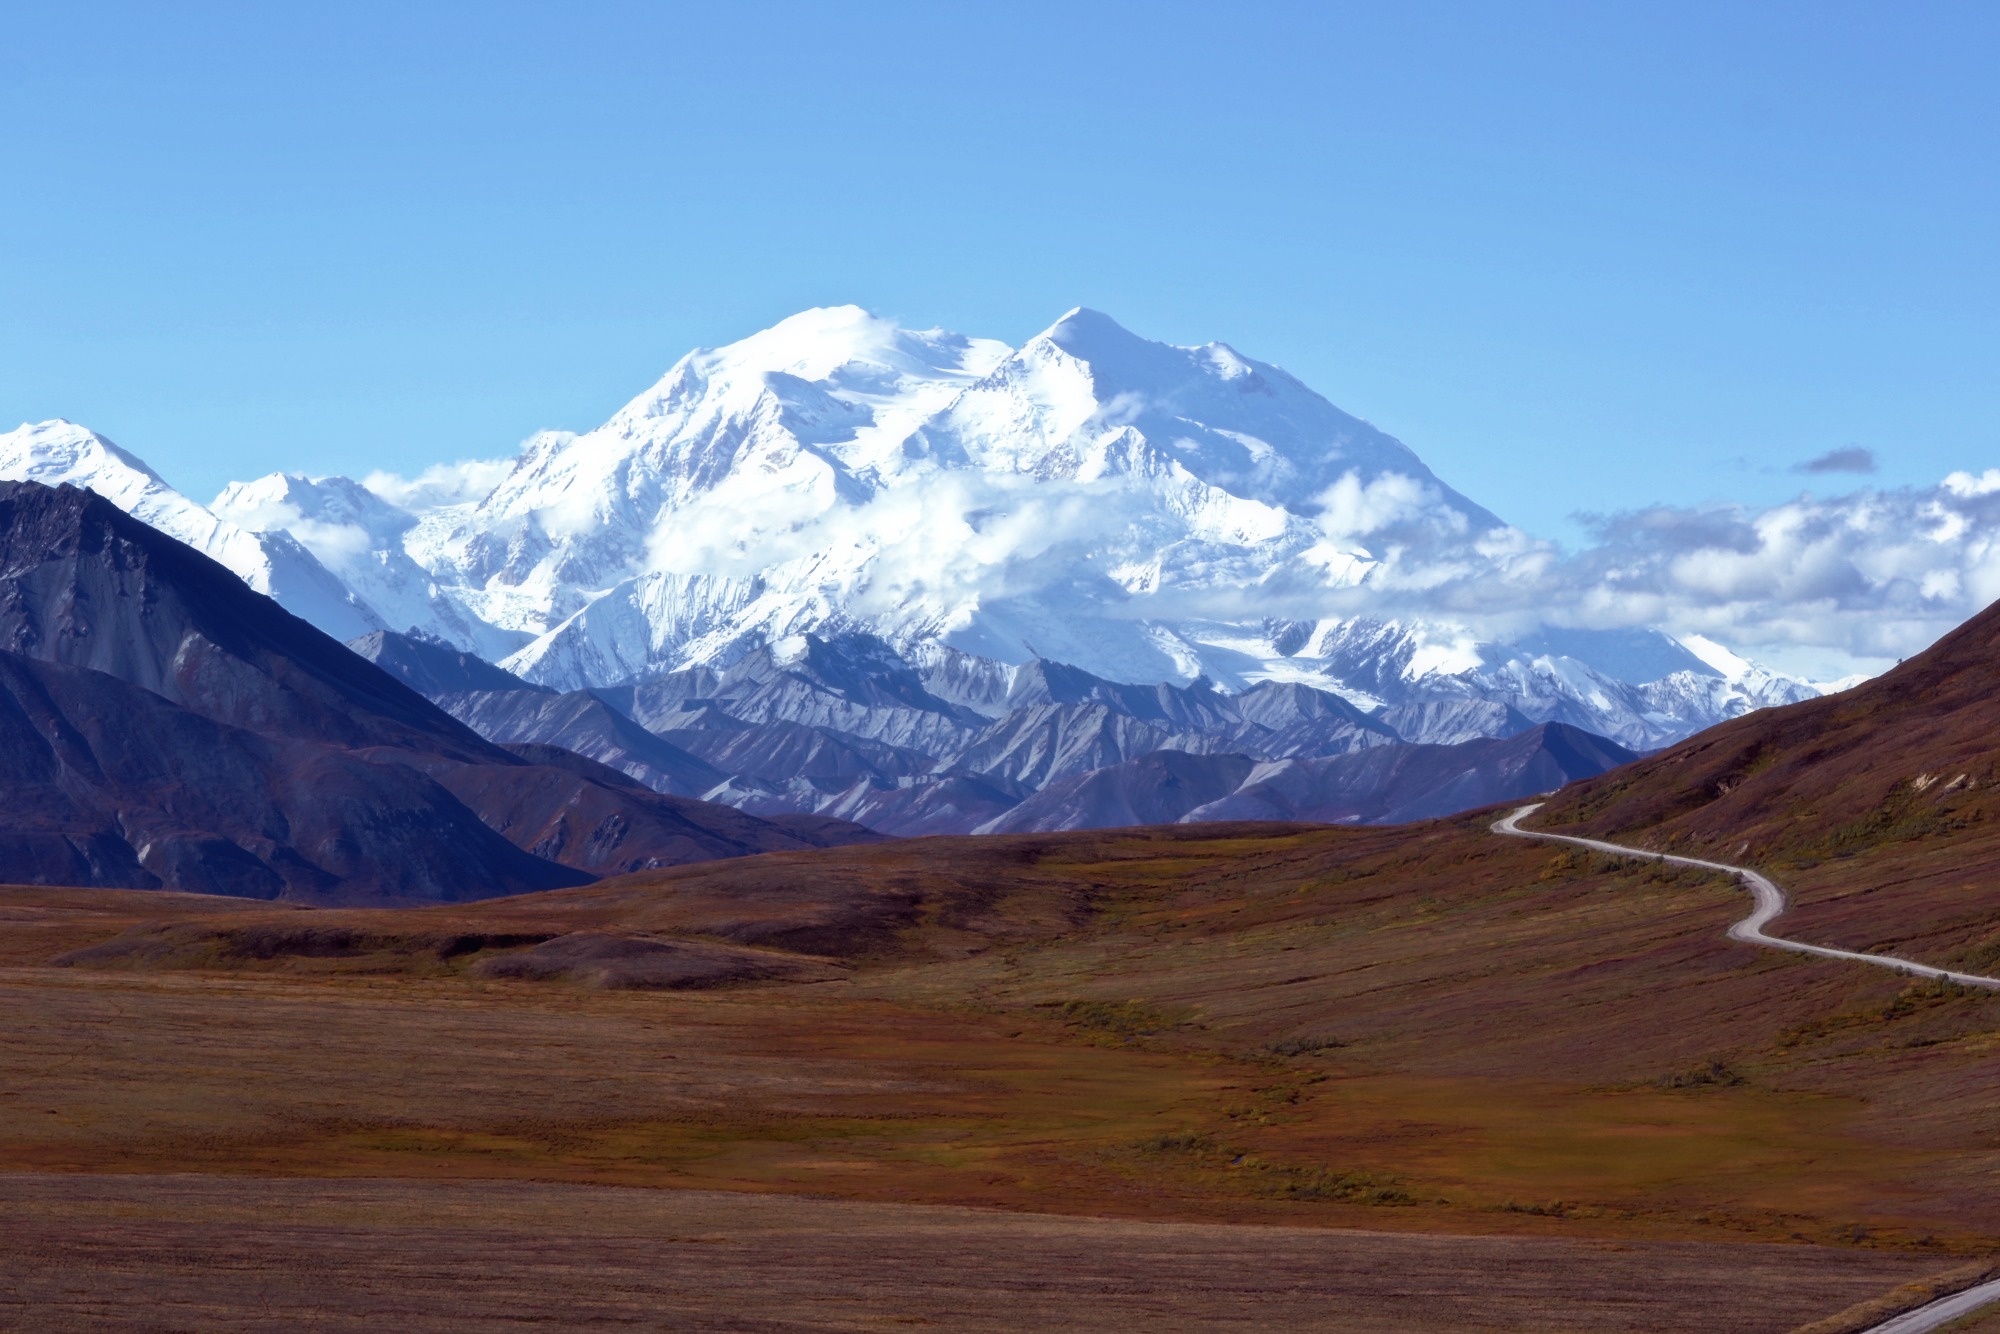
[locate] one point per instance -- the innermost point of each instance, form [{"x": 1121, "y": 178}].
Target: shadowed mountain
[
  {"x": 1379, "y": 785},
  {"x": 432, "y": 668},
  {"x": 581, "y": 722},
  {"x": 83, "y": 583},
  {"x": 1160, "y": 788},
  {"x": 1446, "y": 722},
  {"x": 105, "y": 783},
  {"x": 1196, "y": 707},
  {"x": 173, "y": 728},
  {"x": 781, "y": 751},
  {"x": 846, "y": 728},
  {"x": 950, "y": 803}
]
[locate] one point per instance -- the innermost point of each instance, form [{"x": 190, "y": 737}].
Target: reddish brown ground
[
  {"x": 282, "y": 1254},
  {"x": 1435, "y": 1034}
]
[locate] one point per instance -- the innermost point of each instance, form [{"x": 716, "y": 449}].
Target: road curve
[
  {"x": 1767, "y": 903},
  {"x": 1944, "y": 1309}
]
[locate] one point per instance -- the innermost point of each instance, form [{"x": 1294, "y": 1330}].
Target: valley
[
  {"x": 831, "y": 669},
  {"x": 1427, "y": 1032},
  {"x": 479, "y": 939}
]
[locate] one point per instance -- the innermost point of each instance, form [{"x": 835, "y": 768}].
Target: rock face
[
  {"x": 167, "y": 726},
  {"x": 1048, "y": 746},
  {"x": 585, "y": 724},
  {"x": 1380, "y": 785}
]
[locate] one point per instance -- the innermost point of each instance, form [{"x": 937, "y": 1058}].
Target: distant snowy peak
[
  {"x": 1143, "y": 511},
  {"x": 1056, "y": 406},
  {"x": 299, "y": 504},
  {"x": 274, "y": 563},
  {"x": 838, "y": 385},
  {"x": 929, "y": 485},
  {"x": 360, "y": 537}
]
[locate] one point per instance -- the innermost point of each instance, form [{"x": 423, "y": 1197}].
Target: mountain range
[
  {"x": 167, "y": 726},
  {"x": 1145, "y": 513},
  {"x": 844, "y": 728}
]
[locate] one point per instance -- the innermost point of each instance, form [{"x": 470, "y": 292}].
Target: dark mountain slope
[
  {"x": 936, "y": 804},
  {"x": 84, "y": 583},
  {"x": 1196, "y": 708},
  {"x": 586, "y": 815},
  {"x": 582, "y": 722},
  {"x": 1153, "y": 789},
  {"x": 104, "y": 783},
  {"x": 229, "y": 747},
  {"x": 1387, "y": 784},
  {"x": 780, "y": 751},
  {"x": 1067, "y": 742},
  {"x": 432, "y": 669}
]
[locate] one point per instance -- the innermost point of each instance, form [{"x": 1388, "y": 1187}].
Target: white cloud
[
  {"x": 441, "y": 484},
  {"x": 1845, "y": 583},
  {"x": 1865, "y": 577}
]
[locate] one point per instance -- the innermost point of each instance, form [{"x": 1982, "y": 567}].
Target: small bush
[
  {"x": 1305, "y": 1044},
  {"x": 1554, "y": 1209},
  {"x": 1348, "y": 1187},
  {"x": 1713, "y": 1075},
  {"x": 1125, "y": 1019}
]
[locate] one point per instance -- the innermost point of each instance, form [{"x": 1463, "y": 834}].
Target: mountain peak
[
  {"x": 59, "y": 450},
  {"x": 833, "y": 343},
  {"x": 1080, "y": 322}
]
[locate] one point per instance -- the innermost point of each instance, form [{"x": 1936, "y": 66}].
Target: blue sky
[{"x": 1581, "y": 258}]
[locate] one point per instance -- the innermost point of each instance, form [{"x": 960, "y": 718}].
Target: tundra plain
[{"x": 1358, "y": 1040}]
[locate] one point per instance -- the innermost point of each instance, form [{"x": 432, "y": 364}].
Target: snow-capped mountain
[
  {"x": 1145, "y": 512},
  {"x": 268, "y": 558},
  {"x": 360, "y": 537},
  {"x": 1088, "y": 498}
]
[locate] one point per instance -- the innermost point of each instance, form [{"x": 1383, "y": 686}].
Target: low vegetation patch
[
  {"x": 1552, "y": 1209},
  {"x": 1120, "y": 1019},
  {"x": 1909, "y": 812},
  {"x": 1713, "y": 1075},
  {"x": 1582, "y": 863},
  {"x": 1931, "y": 995},
  {"x": 1278, "y": 1181}
]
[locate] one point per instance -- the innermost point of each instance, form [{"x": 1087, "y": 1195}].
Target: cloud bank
[
  {"x": 1837, "y": 584},
  {"x": 1826, "y": 587}
]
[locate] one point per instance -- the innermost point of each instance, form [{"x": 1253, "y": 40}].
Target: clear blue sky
[{"x": 1580, "y": 257}]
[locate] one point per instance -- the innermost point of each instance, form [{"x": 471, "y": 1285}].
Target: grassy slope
[
  {"x": 1878, "y": 808},
  {"x": 1430, "y": 1029}
]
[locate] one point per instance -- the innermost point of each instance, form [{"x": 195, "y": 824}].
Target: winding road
[
  {"x": 1767, "y": 903},
  {"x": 1940, "y": 1312}
]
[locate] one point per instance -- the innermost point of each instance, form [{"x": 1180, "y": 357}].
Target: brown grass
[
  {"x": 1428, "y": 1031},
  {"x": 282, "y": 1254},
  {"x": 1865, "y": 1315}
]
